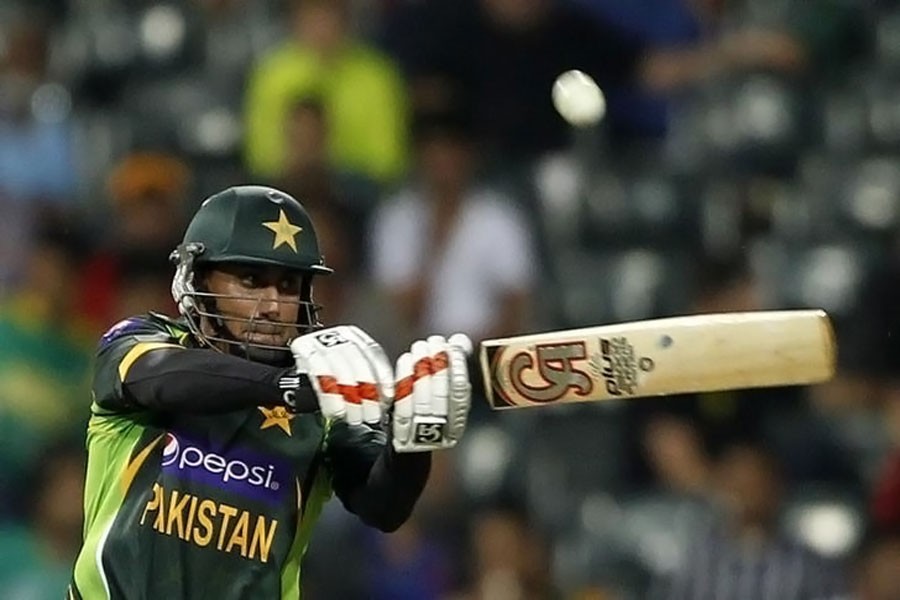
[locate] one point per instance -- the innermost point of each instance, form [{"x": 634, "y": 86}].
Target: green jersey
[{"x": 192, "y": 505}]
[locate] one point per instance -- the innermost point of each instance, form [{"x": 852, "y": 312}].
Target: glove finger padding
[
  {"x": 346, "y": 363},
  {"x": 381, "y": 370},
  {"x": 403, "y": 399},
  {"x": 373, "y": 374},
  {"x": 432, "y": 395},
  {"x": 440, "y": 374},
  {"x": 460, "y": 400},
  {"x": 347, "y": 371},
  {"x": 323, "y": 381},
  {"x": 421, "y": 378}
]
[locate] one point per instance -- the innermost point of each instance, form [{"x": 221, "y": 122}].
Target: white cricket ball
[{"x": 578, "y": 98}]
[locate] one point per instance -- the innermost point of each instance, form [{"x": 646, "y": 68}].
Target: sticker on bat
[
  {"x": 618, "y": 365},
  {"x": 555, "y": 372}
]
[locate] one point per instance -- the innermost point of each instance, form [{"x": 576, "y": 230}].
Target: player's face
[{"x": 259, "y": 305}]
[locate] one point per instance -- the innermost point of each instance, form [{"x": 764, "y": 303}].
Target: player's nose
[{"x": 268, "y": 301}]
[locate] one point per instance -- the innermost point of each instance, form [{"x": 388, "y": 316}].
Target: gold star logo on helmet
[{"x": 285, "y": 231}]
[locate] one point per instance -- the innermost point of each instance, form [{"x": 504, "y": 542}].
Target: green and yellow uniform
[{"x": 201, "y": 484}]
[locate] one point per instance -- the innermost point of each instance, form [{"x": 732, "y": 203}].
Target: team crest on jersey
[
  {"x": 277, "y": 416},
  {"x": 119, "y": 329}
]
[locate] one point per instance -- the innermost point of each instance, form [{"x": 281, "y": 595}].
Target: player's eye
[
  {"x": 289, "y": 286},
  {"x": 250, "y": 281}
]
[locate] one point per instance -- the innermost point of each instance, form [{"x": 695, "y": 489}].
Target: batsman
[{"x": 216, "y": 437}]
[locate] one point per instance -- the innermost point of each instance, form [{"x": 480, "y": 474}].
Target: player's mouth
[
  {"x": 269, "y": 333},
  {"x": 271, "y": 337}
]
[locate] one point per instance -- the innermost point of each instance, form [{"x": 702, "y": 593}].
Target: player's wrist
[{"x": 296, "y": 391}]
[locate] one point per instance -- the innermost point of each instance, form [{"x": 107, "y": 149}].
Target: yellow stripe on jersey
[
  {"x": 131, "y": 468},
  {"x": 138, "y": 351}
]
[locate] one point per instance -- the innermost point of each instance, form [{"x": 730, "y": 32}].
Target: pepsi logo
[{"x": 170, "y": 450}]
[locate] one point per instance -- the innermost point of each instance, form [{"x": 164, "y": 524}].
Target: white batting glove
[
  {"x": 348, "y": 370},
  {"x": 433, "y": 394}
]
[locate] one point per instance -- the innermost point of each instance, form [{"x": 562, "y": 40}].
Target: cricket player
[{"x": 216, "y": 438}]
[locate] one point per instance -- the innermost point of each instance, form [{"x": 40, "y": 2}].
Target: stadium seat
[
  {"x": 887, "y": 38},
  {"x": 96, "y": 52},
  {"x": 645, "y": 207},
  {"x": 603, "y": 287},
  {"x": 592, "y": 552},
  {"x": 186, "y": 114},
  {"x": 749, "y": 123},
  {"x": 657, "y": 528},
  {"x": 485, "y": 460},
  {"x": 844, "y": 120},
  {"x": 109, "y": 135},
  {"x": 843, "y": 199},
  {"x": 882, "y": 92},
  {"x": 169, "y": 38},
  {"x": 824, "y": 275},
  {"x": 571, "y": 452}
]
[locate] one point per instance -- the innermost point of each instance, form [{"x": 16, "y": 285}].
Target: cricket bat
[{"x": 696, "y": 353}]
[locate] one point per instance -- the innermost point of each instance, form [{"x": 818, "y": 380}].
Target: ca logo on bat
[{"x": 553, "y": 368}]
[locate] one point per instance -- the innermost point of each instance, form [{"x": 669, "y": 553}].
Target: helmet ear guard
[{"x": 183, "y": 289}]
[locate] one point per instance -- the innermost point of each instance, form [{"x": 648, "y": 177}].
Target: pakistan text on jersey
[{"x": 204, "y": 522}]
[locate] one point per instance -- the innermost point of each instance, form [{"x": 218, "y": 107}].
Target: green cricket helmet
[{"x": 246, "y": 225}]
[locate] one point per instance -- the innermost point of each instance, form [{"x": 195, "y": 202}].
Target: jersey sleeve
[
  {"x": 119, "y": 349},
  {"x": 150, "y": 365}
]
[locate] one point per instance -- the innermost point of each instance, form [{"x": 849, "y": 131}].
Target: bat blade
[{"x": 696, "y": 353}]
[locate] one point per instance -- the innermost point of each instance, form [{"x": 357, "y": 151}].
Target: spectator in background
[
  {"x": 311, "y": 175},
  {"x": 507, "y": 53},
  {"x": 37, "y": 171},
  {"x": 500, "y": 57},
  {"x": 509, "y": 559},
  {"x": 147, "y": 193},
  {"x": 36, "y": 162},
  {"x": 743, "y": 555},
  {"x": 362, "y": 92},
  {"x": 44, "y": 359},
  {"x": 677, "y": 456},
  {"x": 695, "y": 40},
  {"x": 235, "y": 33},
  {"x": 38, "y": 554},
  {"x": 453, "y": 255}
]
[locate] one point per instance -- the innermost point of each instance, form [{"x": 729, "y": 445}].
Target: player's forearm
[
  {"x": 201, "y": 381},
  {"x": 375, "y": 483},
  {"x": 394, "y": 485}
]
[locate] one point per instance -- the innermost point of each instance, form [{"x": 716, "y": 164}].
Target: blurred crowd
[{"x": 749, "y": 159}]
